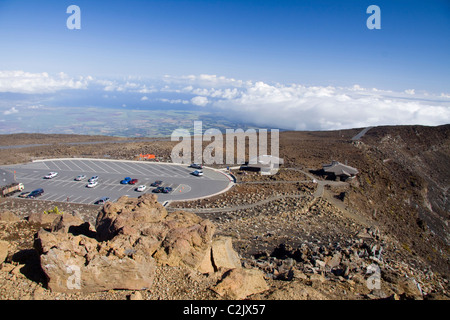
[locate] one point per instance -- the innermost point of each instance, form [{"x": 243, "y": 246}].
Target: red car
[{"x": 133, "y": 181}]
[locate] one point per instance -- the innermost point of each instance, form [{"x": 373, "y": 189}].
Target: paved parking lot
[{"x": 64, "y": 188}]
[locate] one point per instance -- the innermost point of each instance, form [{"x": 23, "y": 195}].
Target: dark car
[
  {"x": 133, "y": 181},
  {"x": 167, "y": 189},
  {"x": 24, "y": 194},
  {"x": 157, "y": 183},
  {"x": 126, "y": 180},
  {"x": 158, "y": 190},
  {"x": 36, "y": 193},
  {"x": 196, "y": 166},
  {"x": 102, "y": 200}
]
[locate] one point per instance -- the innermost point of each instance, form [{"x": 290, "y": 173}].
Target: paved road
[
  {"x": 361, "y": 134},
  {"x": 63, "y": 187},
  {"x": 317, "y": 194}
]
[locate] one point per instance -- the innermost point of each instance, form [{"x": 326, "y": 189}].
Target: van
[{"x": 36, "y": 193}]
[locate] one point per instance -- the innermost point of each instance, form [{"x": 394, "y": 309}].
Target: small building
[
  {"x": 265, "y": 164},
  {"x": 337, "y": 169}
]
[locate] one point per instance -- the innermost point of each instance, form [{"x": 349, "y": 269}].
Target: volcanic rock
[{"x": 240, "y": 283}]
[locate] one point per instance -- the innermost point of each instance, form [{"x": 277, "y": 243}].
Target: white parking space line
[
  {"x": 75, "y": 199},
  {"x": 84, "y": 163},
  {"x": 73, "y": 163},
  {"x": 53, "y": 163},
  {"x": 93, "y": 163},
  {"x": 84, "y": 167},
  {"x": 142, "y": 167},
  {"x": 55, "y": 183},
  {"x": 181, "y": 171},
  {"x": 127, "y": 165},
  {"x": 62, "y": 162},
  {"x": 166, "y": 171},
  {"x": 86, "y": 200},
  {"x": 107, "y": 165},
  {"x": 107, "y": 181},
  {"x": 50, "y": 197},
  {"x": 119, "y": 169},
  {"x": 78, "y": 184},
  {"x": 64, "y": 184}
]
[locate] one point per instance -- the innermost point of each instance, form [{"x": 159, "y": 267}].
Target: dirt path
[{"x": 319, "y": 193}]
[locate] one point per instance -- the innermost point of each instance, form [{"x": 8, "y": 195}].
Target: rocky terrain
[{"x": 384, "y": 235}]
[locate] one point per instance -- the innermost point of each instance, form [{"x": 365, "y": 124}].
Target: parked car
[
  {"x": 197, "y": 173},
  {"x": 93, "y": 179},
  {"x": 51, "y": 175},
  {"x": 80, "y": 177},
  {"x": 35, "y": 193},
  {"x": 24, "y": 194},
  {"x": 157, "y": 183},
  {"x": 167, "y": 189},
  {"x": 102, "y": 200},
  {"x": 196, "y": 166},
  {"x": 92, "y": 184},
  {"x": 141, "y": 188},
  {"x": 158, "y": 190},
  {"x": 125, "y": 181},
  {"x": 133, "y": 181}
]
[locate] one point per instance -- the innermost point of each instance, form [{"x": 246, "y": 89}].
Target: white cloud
[
  {"x": 293, "y": 106},
  {"x": 200, "y": 101},
  {"x": 10, "y": 111},
  {"x": 174, "y": 101},
  {"x": 302, "y": 108},
  {"x": 26, "y": 82}
]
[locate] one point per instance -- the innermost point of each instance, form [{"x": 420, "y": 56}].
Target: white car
[
  {"x": 141, "y": 188},
  {"x": 197, "y": 173},
  {"x": 80, "y": 177},
  {"x": 93, "y": 179},
  {"x": 92, "y": 184},
  {"x": 51, "y": 175}
]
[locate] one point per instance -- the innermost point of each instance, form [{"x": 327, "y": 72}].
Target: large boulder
[
  {"x": 8, "y": 216},
  {"x": 187, "y": 241},
  {"x": 223, "y": 254},
  {"x": 128, "y": 216},
  {"x": 240, "y": 283},
  {"x": 176, "y": 239},
  {"x": 65, "y": 221},
  {"x": 79, "y": 263},
  {"x": 132, "y": 237},
  {"x": 3, "y": 250},
  {"x": 43, "y": 218}
]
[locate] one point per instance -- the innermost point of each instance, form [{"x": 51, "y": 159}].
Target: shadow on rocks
[{"x": 31, "y": 269}]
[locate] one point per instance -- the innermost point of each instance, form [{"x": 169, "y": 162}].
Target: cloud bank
[
  {"x": 299, "y": 107},
  {"x": 26, "y": 82},
  {"x": 273, "y": 105}
]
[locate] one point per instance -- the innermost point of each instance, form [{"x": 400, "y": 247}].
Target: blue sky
[{"x": 312, "y": 43}]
